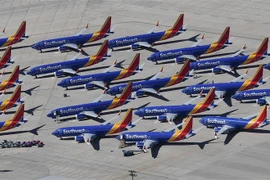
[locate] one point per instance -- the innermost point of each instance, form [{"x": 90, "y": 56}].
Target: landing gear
[
  {"x": 40, "y": 50},
  {"x": 216, "y": 136}
]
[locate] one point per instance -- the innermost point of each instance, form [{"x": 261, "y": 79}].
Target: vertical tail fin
[
  {"x": 208, "y": 101},
  {"x": 21, "y": 31},
  {"x": 16, "y": 95},
  {"x": 178, "y": 23},
  {"x": 106, "y": 26},
  {"x": 6, "y": 57},
  {"x": 103, "y": 49},
  {"x": 14, "y": 77},
  {"x": 224, "y": 38},
  {"x": 256, "y": 122},
  {"x": 135, "y": 63},
  {"x": 257, "y": 77},
  {"x": 184, "y": 70},
  {"x": 127, "y": 91},
  {"x": 262, "y": 50},
  {"x": 121, "y": 125},
  {"x": 186, "y": 129}
]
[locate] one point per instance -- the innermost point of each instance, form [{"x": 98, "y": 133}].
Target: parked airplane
[
  {"x": 11, "y": 81},
  {"x": 6, "y": 60},
  {"x": 229, "y": 87},
  {"x": 193, "y": 52},
  {"x": 262, "y": 96},
  {"x": 103, "y": 79},
  {"x": 77, "y": 41},
  {"x": 267, "y": 66},
  {"x": 169, "y": 113},
  {"x": 94, "y": 108},
  {"x": 13, "y": 100},
  {"x": 15, "y": 121},
  {"x": 15, "y": 38},
  {"x": 229, "y": 64},
  {"x": 147, "y": 40},
  {"x": 146, "y": 140},
  {"x": 71, "y": 67},
  {"x": 153, "y": 85},
  {"x": 94, "y": 132},
  {"x": 223, "y": 125}
]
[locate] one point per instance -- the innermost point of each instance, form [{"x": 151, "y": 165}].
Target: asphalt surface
[{"x": 246, "y": 156}]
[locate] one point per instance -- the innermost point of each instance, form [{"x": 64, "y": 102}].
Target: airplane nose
[
  {"x": 50, "y": 115},
  {"x": 54, "y": 133},
  {"x": 138, "y": 113},
  {"x": 202, "y": 121},
  {"x": 150, "y": 58},
  {"x": 61, "y": 84},
  {"x": 236, "y": 97},
  {"x": 118, "y": 137},
  {"x": 34, "y": 46},
  {"x": 184, "y": 91}
]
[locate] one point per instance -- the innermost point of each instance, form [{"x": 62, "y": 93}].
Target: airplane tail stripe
[
  {"x": 120, "y": 126},
  {"x": 135, "y": 63},
  {"x": 103, "y": 49},
  {"x": 11, "y": 123},
  {"x": 257, "y": 76},
  {"x": 16, "y": 94},
  {"x": 254, "y": 123},
  {"x": 14, "y": 75},
  {"x": 178, "y": 23},
  {"x": 106, "y": 26},
  {"x": 185, "y": 69},
  {"x": 263, "y": 48},
  {"x": 21, "y": 31},
  {"x": 224, "y": 37},
  {"x": 6, "y": 56},
  {"x": 202, "y": 106},
  {"x": 180, "y": 134}
]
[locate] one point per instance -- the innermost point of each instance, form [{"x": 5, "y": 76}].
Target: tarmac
[{"x": 246, "y": 156}]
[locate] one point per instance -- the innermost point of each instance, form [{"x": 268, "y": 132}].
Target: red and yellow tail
[
  {"x": 106, "y": 26},
  {"x": 15, "y": 120},
  {"x": 202, "y": 106},
  {"x": 133, "y": 66},
  {"x": 6, "y": 57},
  {"x": 255, "y": 122},
  {"x": 120, "y": 126},
  {"x": 177, "y": 78},
  {"x": 175, "y": 29},
  {"x": 186, "y": 129},
  {"x": 224, "y": 38},
  {"x": 16, "y": 95},
  {"x": 14, "y": 75},
  {"x": 254, "y": 80},
  {"x": 103, "y": 49},
  {"x": 21, "y": 31},
  {"x": 118, "y": 101}
]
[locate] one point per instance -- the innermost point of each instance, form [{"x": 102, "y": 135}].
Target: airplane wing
[
  {"x": 98, "y": 84},
  {"x": 153, "y": 29},
  {"x": 143, "y": 44},
  {"x": 198, "y": 42},
  {"x": 267, "y": 99},
  {"x": 109, "y": 68},
  {"x": 220, "y": 94},
  {"x": 173, "y": 128},
  {"x": 225, "y": 68},
  {"x": 156, "y": 76},
  {"x": 112, "y": 119},
  {"x": 148, "y": 144},
  {"x": 72, "y": 46},
  {"x": 243, "y": 49},
  {"x": 239, "y": 77},
  {"x": 88, "y": 137},
  {"x": 224, "y": 129},
  {"x": 82, "y": 31},
  {"x": 188, "y": 56},
  {"x": 193, "y": 99},
  {"x": 170, "y": 117},
  {"x": 90, "y": 114},
  {"x": 69, "y": 71},
  {"x": 150, "y": 90}
]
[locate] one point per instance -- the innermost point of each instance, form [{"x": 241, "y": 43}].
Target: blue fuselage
[
  {"x": 141, "y": 136},
  {"x": 56, "y": 42},
  {"x": 251, "y": 94},
  {"x": 81, "y": 80},
  {"x": 51, "y": 68},
  {"x": 99, "y": 130},
  {"x": 129, "y": 40},
  {"x": 155, "y": 84},
  {"x": 212, "y": 63},
  {"x": 216, "y": 121},
  {"x": 181, "y": 110},
  {"x": 227, "y": 87},
  {"x": 267, "y": 66},
  {"x": 174, "y": 53},
  {"x": 96, "y": 107}
]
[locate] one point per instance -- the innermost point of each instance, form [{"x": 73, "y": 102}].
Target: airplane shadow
[
  {"x": 28, "y": 91},
  {"x": 74, "y": 118},
  {"x": 28, "y": 111},
  {"x": 33, "y": 131},
  {"x": 156, "y": 148},
  {"x": 17, "y": 47},
  {"x": 5, "y": 170},
  {"x": 249, "y": 102},
  {"x": 155, "y": 96}
]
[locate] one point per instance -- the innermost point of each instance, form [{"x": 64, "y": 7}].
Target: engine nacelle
[
  {"x": 89, "y": 86},
  {"x": 140, "y": 144},
  {"x": 58, "y": 73},
  {"x": 216, "y": 129},
  {"x": 139, "y": 93},
  {"x": 80, "y": 117},
  {"x": 179, "y": 60},
  {"x": 161, "y": 118},
  {"x": 216, "y": 70},
  {"x": 79, "y": 138},
  {"x": 261, "y": 101},
  {"x": 62, "y": 48},
  {"x": 134, "y": 46}
]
